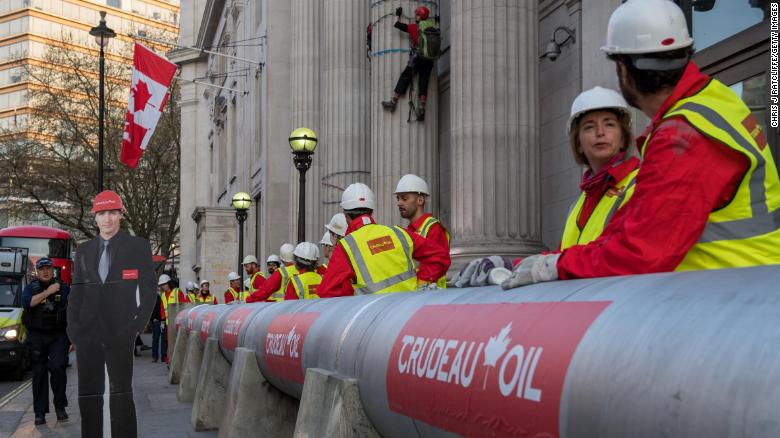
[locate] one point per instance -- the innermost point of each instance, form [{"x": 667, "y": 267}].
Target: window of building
[
  {"x": 731, "y": 39},
  {"x": 114, "y": 3}
]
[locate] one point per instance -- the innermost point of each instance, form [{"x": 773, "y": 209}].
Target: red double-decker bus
[{"x": 42, "y": 241}]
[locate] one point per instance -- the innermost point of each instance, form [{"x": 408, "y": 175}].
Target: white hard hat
[
  {"x": 273, "y": 258},
  {"x": 249, "y": 259},
  {"x": 307, "y": 251},
  {"x": 190, "y": 285},
  {"x": 338, "y": 224},
  {"x": 286, "y": 252},
  {"x": 358, "y": 195},
  {"x": 647, "y": 26},
  {"x": 163, "y": 279},
  {"x": 326, "y": 240},
  {"x": 596, "y": 98},
  {"x": 233, "y": 276},
  {"x": 202, "y": 282},
  {"x": 412, "y": 184}
]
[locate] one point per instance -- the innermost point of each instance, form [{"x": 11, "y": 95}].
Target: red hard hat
[
  {"x": 107, "y": 200},
  {"x": 422, "y": 11}
]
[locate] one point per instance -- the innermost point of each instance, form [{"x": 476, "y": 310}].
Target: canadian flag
[{"x": 152, "y": 74}]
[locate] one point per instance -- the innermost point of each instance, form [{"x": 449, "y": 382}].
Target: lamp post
[
  {"x": 102, "y": 34},
  {"x": 303, "y": 142},
  {"x": 241, "y": 202}
]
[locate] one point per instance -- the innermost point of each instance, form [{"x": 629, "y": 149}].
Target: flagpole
[
  {"x": 179, "y": 78},
  {"x": 197, "y": 49}
]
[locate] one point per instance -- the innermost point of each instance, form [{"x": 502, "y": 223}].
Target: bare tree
[{"x": 50, "y": 167}]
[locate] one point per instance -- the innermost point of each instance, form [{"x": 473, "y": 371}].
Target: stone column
[
  {"x": 495, "y": 150},
  {"x": 344, "y": 140},
  {"x": 216, "y": 245},
  {"x": 398, "y": 147},
  {"x": 306, "y": 18}
]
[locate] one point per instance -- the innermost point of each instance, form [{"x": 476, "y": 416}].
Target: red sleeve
[
  {"x": 183, "y": 298},
  {"x": 289, "y": 293},
  {"x": 267, "y": 288},
  {"x": 683, "y": 178},
  {"x": 258, "y": 283},
  {"x": 337, "y": 281},
  {"x": 437, "y": 234},
  {"x": 434, "y": 259},
  {"x": 414, "y": 33},
  {"x": 228, "y": 297}
]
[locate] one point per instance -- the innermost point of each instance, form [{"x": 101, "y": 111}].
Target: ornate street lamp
[
  {"x": 241, "y": 203},
  {"x": 303, "y": 142},
  {"x": 102, "y": 34}
]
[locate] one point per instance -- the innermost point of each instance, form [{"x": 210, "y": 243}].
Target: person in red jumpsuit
[{"x": 684, "y": 175}]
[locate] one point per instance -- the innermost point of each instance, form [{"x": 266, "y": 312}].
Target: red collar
[
  {"x": 359, "y": 222},
  {"x": 691, "y": 82},
  {"x": 417, "y": 224}
]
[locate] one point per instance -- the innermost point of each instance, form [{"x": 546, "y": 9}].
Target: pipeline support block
[
  {"x": 178, "y": 357},
  {"x": 331, "y": 407},
  {"x": 191, "y": 369},
  {"x": 209, "y": 403},
  {"x": 254, "y": 407}
]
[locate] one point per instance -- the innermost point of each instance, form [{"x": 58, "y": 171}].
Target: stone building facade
[{"x": 493, "y": 147}]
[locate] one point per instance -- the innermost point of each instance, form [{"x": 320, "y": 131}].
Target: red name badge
[{"x": 129, "y": 274}]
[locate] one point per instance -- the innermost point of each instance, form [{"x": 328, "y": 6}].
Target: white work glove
[
  {"x": 424, "y": 287},
  {"x": 533, "y": 269}
]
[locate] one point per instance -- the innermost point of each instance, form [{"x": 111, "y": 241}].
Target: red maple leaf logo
[{"x": 141, "y": 95}]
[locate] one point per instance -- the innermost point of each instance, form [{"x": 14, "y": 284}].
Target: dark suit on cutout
[{"x": 103, "y": 321}]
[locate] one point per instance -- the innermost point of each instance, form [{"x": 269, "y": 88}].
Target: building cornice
[
  {"x": 185, "y": 55},
  {"x": 212, "y": 14}
]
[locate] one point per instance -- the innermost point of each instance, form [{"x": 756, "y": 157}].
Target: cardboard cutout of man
[{"x": 112, "y": 296}]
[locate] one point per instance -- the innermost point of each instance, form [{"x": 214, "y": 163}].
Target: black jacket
[{"x": 119, "y": 308}]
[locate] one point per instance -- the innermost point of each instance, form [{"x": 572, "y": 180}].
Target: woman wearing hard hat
[
  {"x": 600, "y": 136},
  {"x": 303, "y": 285}
]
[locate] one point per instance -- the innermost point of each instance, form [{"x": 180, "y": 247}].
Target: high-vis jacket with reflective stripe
[
  {"x": 231, "y": 295},
  {"x": 286, "y": 272},
  {"x": 305, "y": 285},
  {"x": 599, "y": 218},
  {"x": 381, "y": 258},
  {"x": 209, "y": 299},
  {"x": 746, "y": 231},
  {"x": 170, "y": 297},
  {"x": 425, "y": 227}
]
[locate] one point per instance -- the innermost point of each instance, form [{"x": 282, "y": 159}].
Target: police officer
[{"x": 45, "y": 302}]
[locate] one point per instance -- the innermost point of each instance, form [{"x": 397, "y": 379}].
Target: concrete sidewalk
[{"x": 159, "y": 413}]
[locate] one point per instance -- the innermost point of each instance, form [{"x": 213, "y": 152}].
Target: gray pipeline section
[{"x": 681, "y": 354}]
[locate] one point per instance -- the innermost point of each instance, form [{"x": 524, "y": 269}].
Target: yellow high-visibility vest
[
  {"x": 233, "y": 293},
  {"x": 208, "y": 300},
  {"x": 423, "y": 231},
  {"x": 170, "y": 297},
  {"x": 286, "y": 272},
  {"x": 600, "y": 217},
  {"x": 305, "y": 285},
  {"x": 745, "y": 231},
  {"x": 252, "y": 281},
  {"x": 193, "y": 297},
  {"x": 381, "y": 258}
]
